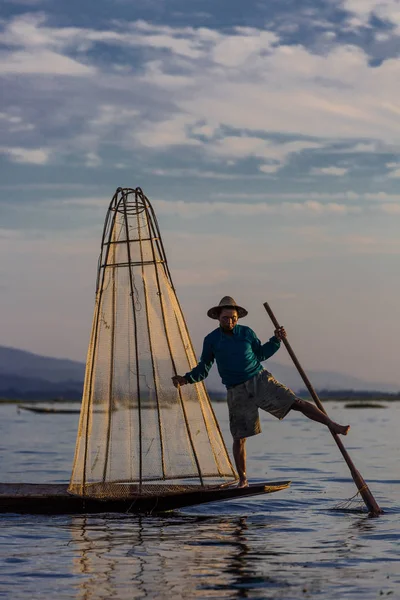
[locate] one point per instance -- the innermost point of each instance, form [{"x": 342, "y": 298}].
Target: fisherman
[{"x": 239, "y": 354}]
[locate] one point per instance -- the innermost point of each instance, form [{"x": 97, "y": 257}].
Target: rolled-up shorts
[{"x": 244, "y": 400}]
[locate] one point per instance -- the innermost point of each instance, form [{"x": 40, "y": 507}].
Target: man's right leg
[
  {"x": 312, "y": 412},
  {"x": 239, "y": 454}
]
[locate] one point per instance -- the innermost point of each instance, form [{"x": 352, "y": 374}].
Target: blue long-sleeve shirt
[{"x": 238, "y": 356}]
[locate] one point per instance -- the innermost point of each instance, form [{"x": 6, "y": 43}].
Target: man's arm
[
  {"x": 265, "y": 351},
  {"x": 201, "y": 370}
]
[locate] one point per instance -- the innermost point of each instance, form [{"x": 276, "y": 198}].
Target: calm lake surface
[{"x": 287, "y": 545}]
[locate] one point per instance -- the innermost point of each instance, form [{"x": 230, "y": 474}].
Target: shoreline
[{"x": 346, "y": 397}]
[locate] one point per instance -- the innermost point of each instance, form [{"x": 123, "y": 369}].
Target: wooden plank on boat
[{"x": 53, "y": 498}]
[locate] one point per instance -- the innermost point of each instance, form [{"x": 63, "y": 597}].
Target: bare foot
[
  {"x": 243, "y": 483},
  {"x": 342, "y": 429}
]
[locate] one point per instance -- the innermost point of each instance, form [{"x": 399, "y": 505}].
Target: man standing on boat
[{"x": 239, "y": 354}]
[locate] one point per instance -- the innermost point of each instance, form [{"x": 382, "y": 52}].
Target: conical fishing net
[{"x": 137, "y": 433}]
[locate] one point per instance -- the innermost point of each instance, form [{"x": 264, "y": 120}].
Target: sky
[{"x": 265, "y": 134}]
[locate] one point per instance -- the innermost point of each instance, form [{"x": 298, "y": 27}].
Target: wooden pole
[{"x": 362, "y": 487}]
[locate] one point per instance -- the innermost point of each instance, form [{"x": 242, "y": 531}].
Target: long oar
[{"x": 362, "y": 487}]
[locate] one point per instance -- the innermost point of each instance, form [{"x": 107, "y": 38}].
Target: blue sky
[{"x": 267, "y": 136}]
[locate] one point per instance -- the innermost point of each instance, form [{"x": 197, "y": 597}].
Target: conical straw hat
[{"x": 226, "y": 302}]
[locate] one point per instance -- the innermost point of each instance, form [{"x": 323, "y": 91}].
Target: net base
[{"x": 115, "y": 491}]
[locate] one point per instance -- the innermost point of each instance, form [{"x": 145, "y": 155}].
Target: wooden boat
[
  {"x": 364, "y": 405},
  {"x": 53, "y": 498},
  {"x": 50, "y": 409}
]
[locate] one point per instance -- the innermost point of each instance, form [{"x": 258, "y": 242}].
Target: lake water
[{"x": 287, "y": 545}]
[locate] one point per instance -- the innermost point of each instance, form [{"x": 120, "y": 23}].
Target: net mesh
[
  {"x": 137, "y": 433},
  {"x": 354, "y": 504}
]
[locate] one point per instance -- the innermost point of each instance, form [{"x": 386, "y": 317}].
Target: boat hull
[{"x": 50, "y": 499}]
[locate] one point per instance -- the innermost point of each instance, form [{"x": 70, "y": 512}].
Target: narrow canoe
[
  {"x": 53, "y": 498},
  {"x": 50, "y": 409}
]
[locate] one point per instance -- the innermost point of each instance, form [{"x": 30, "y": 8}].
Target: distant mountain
[
  {"x": 28, "y": 376},
  {"x": 13, "y": 387},
  {"x": 321, "y": 380},
  {"x": 27, "y": 364},
  {"x": 24, "y": 375}
]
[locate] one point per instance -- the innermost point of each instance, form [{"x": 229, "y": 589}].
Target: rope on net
[{"x": 353, "y": 504}]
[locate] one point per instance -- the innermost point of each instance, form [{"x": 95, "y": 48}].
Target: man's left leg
[
  {"x": 239, "y": 454},
  {"x": 243, "y": 423},
  {"x": 312, "y": 412}
]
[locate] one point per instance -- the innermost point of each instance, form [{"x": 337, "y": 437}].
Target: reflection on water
[
  {"x": 287, "y": 546},
  {"x": 225, "y": 557},
  {"x": 186, "y": 557},
  {"x": 145, "y": 557}
]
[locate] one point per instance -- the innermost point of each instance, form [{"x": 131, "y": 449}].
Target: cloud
[
  {"x": 244, "y": 146},
  {"x": 45, "y": 186},
  {"x": 199, "y": 173},
  {"x": 395, "y": 170},
  {"x": 238, "y": 206},
  {"x": 112, "y": 115},
  {"x": 37, "y": 49},
  {"x": 15, "y": 123},
  {"x": 335, "y": 171},
  {"x": 248, "y": 43},
  {"x": 349, "y": 196},
  {"x": 93, "y": 160},
  {"x": 42, "y": 63},
  {"x": 192, "y": 210},
  {"x": 364, "y": 10},
  {"x": 77, "y": 213},
  {"x": 34, "y": 156},
  {"x": 391, "y": 209},
  {"x": 172, "y": 132},
  {"x": 269, "y": 168},
  {"x": 31, "y": 30},
  {"x": 300, "y": 104},
  {"x": 175, "y": 132},
  {"x": 188, "y": 88},
  {"x": 27, "y": 2},
  {"x": 188, "y": 48},
  {"x": 286, "y": 90}
]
